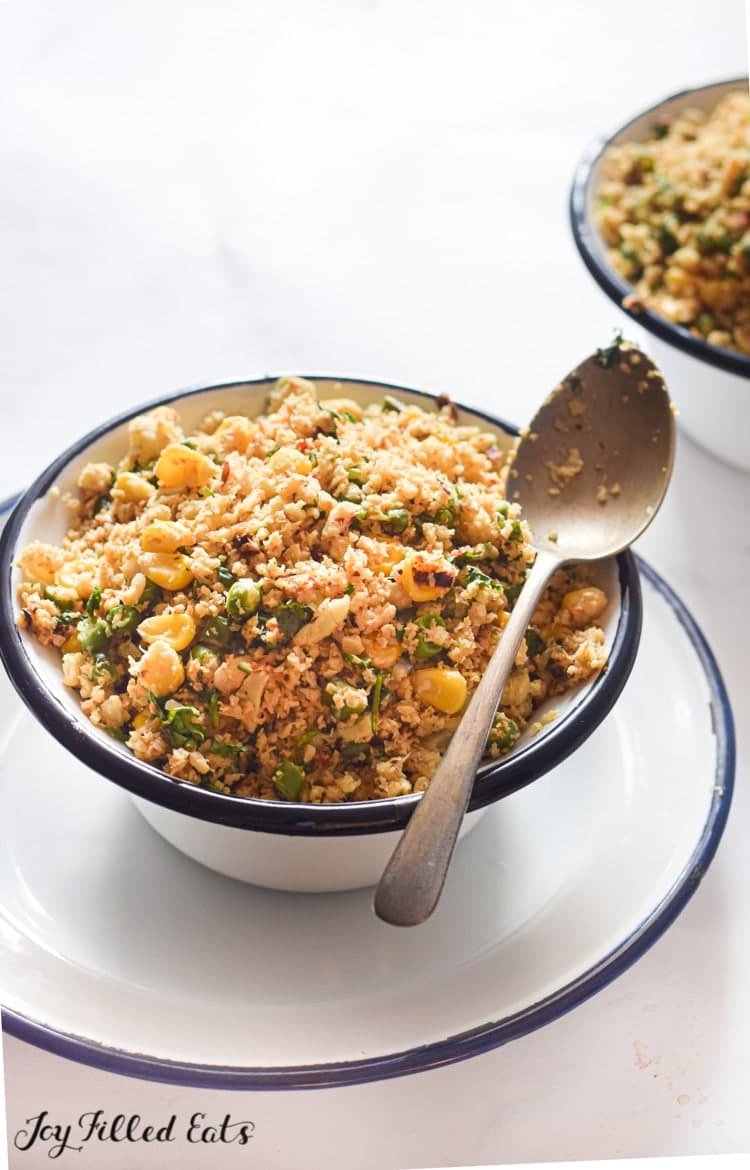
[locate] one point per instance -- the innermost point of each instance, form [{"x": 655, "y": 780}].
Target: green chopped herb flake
[
  {"x": 291, "y": 617},
  {"x": 288, "y": 780}
]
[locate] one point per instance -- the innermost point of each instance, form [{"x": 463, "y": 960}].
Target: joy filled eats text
[{"x": 44, "y": 1131}]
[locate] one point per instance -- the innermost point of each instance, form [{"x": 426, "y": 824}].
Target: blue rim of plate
[
  {"x": 478, "y": 1040},
  {"x": 590, "y": 247},
  {"x": 496, "y": 779}
]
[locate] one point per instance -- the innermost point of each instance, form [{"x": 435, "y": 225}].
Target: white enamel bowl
[
  {"x": 711, "y": 384},
  {"x": 277, "y": 844}
]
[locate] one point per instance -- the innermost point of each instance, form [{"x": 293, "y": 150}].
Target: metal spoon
[{"x": 590, "y": 473}]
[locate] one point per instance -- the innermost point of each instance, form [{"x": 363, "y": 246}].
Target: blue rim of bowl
[
  {"x": 495, "y": 780},
  {"x": 478, "y": 1040},
  {"x": 590, "y": 247}
]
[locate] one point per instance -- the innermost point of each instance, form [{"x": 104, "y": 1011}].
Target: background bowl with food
[{"x": 660, "y": 212}]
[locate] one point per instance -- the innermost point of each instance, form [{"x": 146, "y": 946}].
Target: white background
[{"x": 192, "y": 192}]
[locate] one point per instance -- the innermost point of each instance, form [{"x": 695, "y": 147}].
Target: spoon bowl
[
  {"x": 590, "y": 472},
  {"x": 593, "y": 466}
]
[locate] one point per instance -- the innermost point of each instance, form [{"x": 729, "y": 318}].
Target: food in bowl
[
  {"x": 674, "y": 211},
  {"x": 297, "y": 606}
]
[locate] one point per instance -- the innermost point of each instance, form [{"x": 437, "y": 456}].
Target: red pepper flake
[{"x": 224, "y": 471}]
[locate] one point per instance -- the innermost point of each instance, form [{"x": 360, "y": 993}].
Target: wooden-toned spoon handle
[{"x": 413, "y": 879}]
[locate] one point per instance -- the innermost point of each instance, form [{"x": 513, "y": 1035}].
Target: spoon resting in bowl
[{"x": 590, "y": 472}]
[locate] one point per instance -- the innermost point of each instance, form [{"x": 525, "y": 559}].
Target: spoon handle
[{"x": 412, "y": 881}]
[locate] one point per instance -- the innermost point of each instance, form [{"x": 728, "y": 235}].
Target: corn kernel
[
  {"x": 381, "y": 557},
  {"x": 141, "y": 718},
  {"x": 443, "y": 689},
  {"x": 176, "y": 629},
  {"x": 132, "y": 488},
  {"x": 167, "y": 570},
  {"x": 166, "y": 536},
  {"x": 181, "y": 467},
  {"x": 71, "y": 645},
  {"x": 425, "y": 576},
  {"x": 291, "y": 460},
  {"x": 161, "y": 670},
  {"x": 381, "y": 656},
  {"x": 234, "y": 433},
  {"x": 78, "y": 576},
  {"x": 580, "y": 606}
]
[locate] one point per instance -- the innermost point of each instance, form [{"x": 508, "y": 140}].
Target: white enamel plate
[{"x": 120, "y": 952}]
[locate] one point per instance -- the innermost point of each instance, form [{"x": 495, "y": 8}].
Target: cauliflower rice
[
  {"x": 298, "y": 606},
  {"x": 674, "y": 212}
]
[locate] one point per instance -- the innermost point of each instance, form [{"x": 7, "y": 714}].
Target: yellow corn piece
[
  {"x": 132, "y": 488},
  {"x": 176, "y": 629},
  {"x": 161, "y": 670},
  {"x": 291, "y": 460},
  {"x": 425, "y": 576},
  {"x": 443, "y": 689},
  {"x": 181, "y": 467},
  {"x": 234, "y": 433},
  {"x": 382, "y": 656},
  {"x": 580, "y": 606},
  {"x": 71, "y": 645},
  {"x": 167, "y": 570},
  {"x": 165, "y": 536},
  {"x": 382, "y": 557}
]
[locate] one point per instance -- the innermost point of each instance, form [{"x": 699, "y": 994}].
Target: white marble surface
[{"x": 193, "y": 192}]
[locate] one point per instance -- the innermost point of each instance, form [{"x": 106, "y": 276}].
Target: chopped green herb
[
  {"x": 610, "y": 354},
  {"x": 535, "y": 643},
  {"x": 445, "y": 516},
  {"x": 228, "y": 750},
  {"x": 355, "y": 475},
  {"x": 351, "y": 752},
  {"x": 214, "y": 714},
  {"x": 468, "y": 556},
  {"x": 291, "y": 617},
  {"x": 225, "y": 576},
  {"x": 288, "y": 780},
  {"x": 183, "y": 727},
  {"x": 117, "y": 733},
  {"x": 123, "y": 618},
  {"x": 356, "y": 659},
  {"x": 94, "y": 601},
  {"x": 425, "y": 648},
  {"x": 216, "y": 631},
  {"x": 476, "y": 576},
  {"x": 377, "y": 693},
  {"x": 512, "y": 591},
  {"x": 391, "y": 403},
  {"x": 397, "y": 520},
  {"x": 104, "y": 670},
  {"x": 151, "y": 595},
  {"x": 349, "y": 590},
  {"x": 92, "y": 634}
]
